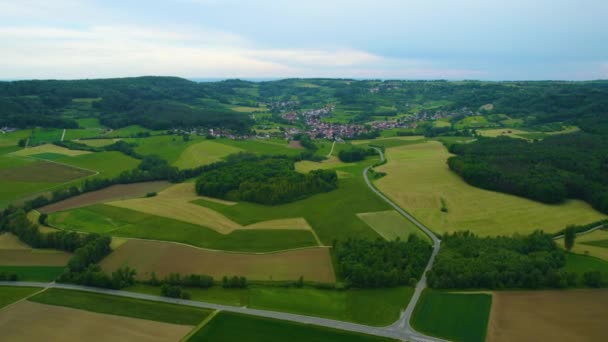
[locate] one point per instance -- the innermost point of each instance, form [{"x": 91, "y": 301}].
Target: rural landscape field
[{"x": 322, "y": 171}]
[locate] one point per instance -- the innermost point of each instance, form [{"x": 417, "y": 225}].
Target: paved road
[
  {"x": 378, "y": 331},
  {"x": 403, "y": 324}
]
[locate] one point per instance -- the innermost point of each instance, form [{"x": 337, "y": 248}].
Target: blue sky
[{"x": 466, "y": 39}]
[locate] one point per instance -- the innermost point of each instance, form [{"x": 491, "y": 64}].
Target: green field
[
  {"x": 20, "y": 176},
  {"x": 168, "y": 147},
  {"x": 332, "y": 215},
  {"x": 229, "y": 327},
  {"x": 34, "y": 273},
  {"x": 580, "y": 264},
  {"x": 108, "y": 164},
  {"x": 457, "y": 317},
  {"x": 392, "y": 225},
  {"x": 11, "y": 139},
  {"x": 127, "y": 132},
  {"x": 261, "y": 146},
  {"x": 202, "y": 153},
  {"x": 121, "y": 306},
  {"x": 418, "y": 178},
  {"x": 598, "y": 243},
  {"x": 9, "y": 295},
  {"x": 377, "y": 307},
  {"x": 129, "y": 223},
  {"x": 41, "y": 136}
]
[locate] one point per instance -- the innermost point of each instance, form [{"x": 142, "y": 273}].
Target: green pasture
[
  {"x": 33, "y": 273},
  {"x": 456, "y": 317},
  {"x": 228, "y": 327}
]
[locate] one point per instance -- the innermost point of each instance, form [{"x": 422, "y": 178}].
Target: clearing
[
  {"x": 454, "y": 316},
  {"x": 567, "y": 315},
  {"x": 226, "y": 326},
  {"x": 28, "y": 321},
  {"x": 418, "y": 178},
  {"x": 314, "y": 264},
  {"x": 111, "y": 193}
]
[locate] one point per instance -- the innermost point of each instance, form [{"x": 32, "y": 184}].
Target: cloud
[{"x": 112, "y": 51}]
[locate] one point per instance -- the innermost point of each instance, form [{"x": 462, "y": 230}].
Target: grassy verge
[
  {"x": 227, "y": 326},
  {"x": 34, "y": 273},
  {"x": 9, "y": 295},
  {"x": 371, "y": 307},
  {"x": 122, "y": 306},
  {"x": 457, "y": 317}
]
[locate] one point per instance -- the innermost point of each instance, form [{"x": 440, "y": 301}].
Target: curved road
[
  {"x": 400, "y": 330},
  {"x": 403, "y": 324}
]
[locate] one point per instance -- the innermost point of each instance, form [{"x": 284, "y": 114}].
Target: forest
[
  {"x": 169, "y": 102},
  {"x": 264, "y": 180},
  {"x": 533, "y": 261},
  {"x": 380, "y": 263},
  {"x": 550, "y": 171}
]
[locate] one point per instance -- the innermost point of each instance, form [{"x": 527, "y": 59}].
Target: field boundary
[
  {"x": 24, "y": 298},
  {"x": 200, "y": 326}
]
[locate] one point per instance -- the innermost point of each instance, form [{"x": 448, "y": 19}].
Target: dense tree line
[
  {"x": 380, "y": 263},
  {"x": 265, "y": 180},
  {"x": 468, "y": 261},
  {"x": 355, "y": 153},
  {"x": 551, "y": 170}
]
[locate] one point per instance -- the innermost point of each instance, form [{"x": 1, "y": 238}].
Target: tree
[
  {"x": 42, "y": 219},
  {"x": 569, "y": 237}
]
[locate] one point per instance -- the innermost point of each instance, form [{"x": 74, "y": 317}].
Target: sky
[{"x": 379, "y": 39}]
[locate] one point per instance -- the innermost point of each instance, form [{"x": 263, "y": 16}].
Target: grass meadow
[
  {"x": 418, "y": 178},
  {"x": 228, "y": 327},
  {"x": 457, "y": 317},
  {"x": 122, "y": 306}
]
